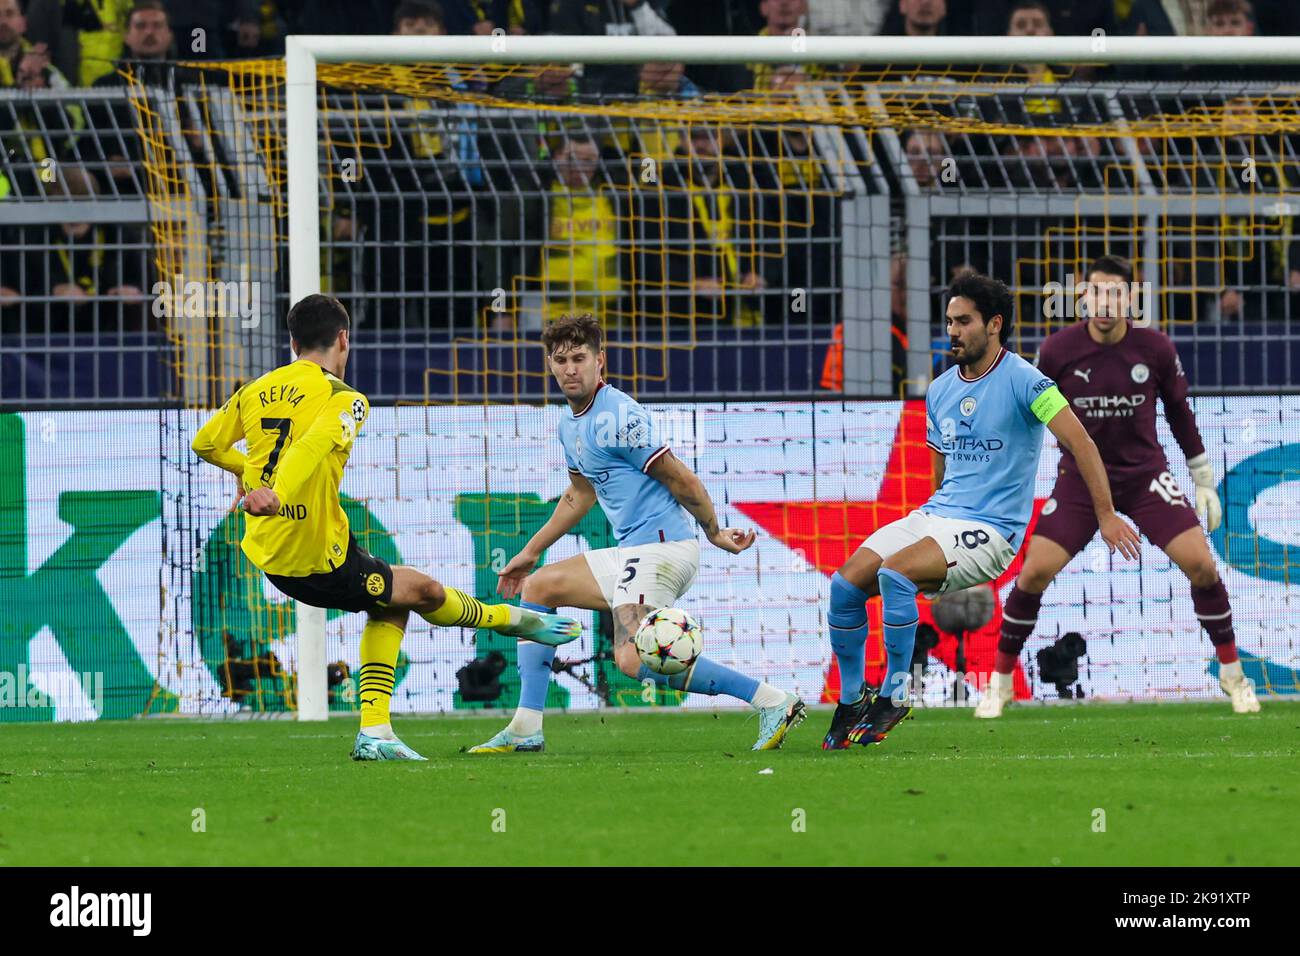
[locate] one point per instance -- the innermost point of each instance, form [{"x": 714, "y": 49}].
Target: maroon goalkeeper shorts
[{"x": 1152, "y": 499}]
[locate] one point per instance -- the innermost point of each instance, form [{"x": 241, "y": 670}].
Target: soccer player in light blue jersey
[
  {"x": 615, "y": 457},
  {"x": 984, "y": 426}
]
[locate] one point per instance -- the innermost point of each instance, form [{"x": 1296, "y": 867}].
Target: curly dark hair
[
  {"x": 571, "y": 331},
  {"x": 991, "y": 298}
]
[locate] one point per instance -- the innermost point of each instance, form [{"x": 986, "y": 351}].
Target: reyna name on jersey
[{"x": 281, "y": 393}]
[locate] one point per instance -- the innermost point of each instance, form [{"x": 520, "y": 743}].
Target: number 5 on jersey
[{"x": 629, "y": 572}]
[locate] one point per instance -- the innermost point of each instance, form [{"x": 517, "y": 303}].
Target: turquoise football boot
[
  {"x": 774, "y": 723},
  {"x": 380, "y": 748},
  {"x": 552, "y": 629},
  {"x": 508, "y": 743}
]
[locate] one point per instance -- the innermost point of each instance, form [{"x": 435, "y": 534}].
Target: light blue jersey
[
  {"x": 990, "y": 432},
  {"x": 611, "y": 443}
]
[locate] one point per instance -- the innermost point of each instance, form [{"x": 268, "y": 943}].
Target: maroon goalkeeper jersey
[{"x": 1113, "y": 390}]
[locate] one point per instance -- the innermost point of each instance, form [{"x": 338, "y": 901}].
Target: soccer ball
[{"x": 669, "y": 641}]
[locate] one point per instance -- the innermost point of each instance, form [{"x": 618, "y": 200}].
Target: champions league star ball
[{"x": 669, "y": 641}]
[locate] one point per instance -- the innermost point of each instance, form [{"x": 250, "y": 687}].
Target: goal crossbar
[{"x": 506, "y": 49}]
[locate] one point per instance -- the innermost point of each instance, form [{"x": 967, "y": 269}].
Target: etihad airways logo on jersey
[
  {"x": 963, "y": 447},
  {"x": 1109, "y": 406},
  {"x": 972, "y": 448}
]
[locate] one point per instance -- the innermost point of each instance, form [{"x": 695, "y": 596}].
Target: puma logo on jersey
[{"x": 1083, "y": 375}]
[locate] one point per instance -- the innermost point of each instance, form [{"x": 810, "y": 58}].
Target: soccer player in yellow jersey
[{"x": 300, "y": 421}]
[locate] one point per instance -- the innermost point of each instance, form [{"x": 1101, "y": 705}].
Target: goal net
[{"x": 768, "y": 267}]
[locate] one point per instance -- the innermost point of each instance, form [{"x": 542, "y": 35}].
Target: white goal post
[{"x": 303, "y": 53}]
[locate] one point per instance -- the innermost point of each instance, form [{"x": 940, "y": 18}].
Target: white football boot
[
  {"x": 1239, "y": 687},
  {"x": 998, "y": 693}
]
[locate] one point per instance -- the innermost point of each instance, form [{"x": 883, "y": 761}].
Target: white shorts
[
  {"x": 974, "y": 551},
  {"x": 654, "y": 574}
]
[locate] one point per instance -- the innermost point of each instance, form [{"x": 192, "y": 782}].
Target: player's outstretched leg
[
  {"x": 1191, "y": 552},
  {"x": 450, "y": 607},
  {"x": 380, "y": 642},
  {"x": 848, "y": 623},
  {"x": 461, "y": 610},
  {"x": 778, "y": 712}
]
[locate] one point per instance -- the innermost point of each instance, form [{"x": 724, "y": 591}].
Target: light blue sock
[
  {"x": 645, "y": 674},
  {"x": 901, "y": 618},
  {"x": 848, "y": 621},
  {"x": 711, "y": 678},
  {"x": 534, "y": 666},
  {"x": 706, "y": 677}
]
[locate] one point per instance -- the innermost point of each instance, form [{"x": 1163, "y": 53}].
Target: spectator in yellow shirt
[{"x": 580, "y": 258}]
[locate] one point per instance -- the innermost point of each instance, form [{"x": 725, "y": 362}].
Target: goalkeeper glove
[{"x": 1208, "y": 507}]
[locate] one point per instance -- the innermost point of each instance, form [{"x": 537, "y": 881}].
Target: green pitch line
[{"x": 1172, "y": 784}]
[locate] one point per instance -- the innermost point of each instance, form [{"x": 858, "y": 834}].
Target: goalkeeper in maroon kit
[{"x": 1112, "y": 372}]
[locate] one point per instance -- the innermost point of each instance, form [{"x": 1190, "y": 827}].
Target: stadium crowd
[
  {"x": 77, "y": 41},
  {"x": 422, "y": 231}
]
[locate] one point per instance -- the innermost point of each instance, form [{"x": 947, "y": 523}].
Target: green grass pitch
[{"x": 1173, "y": 784}]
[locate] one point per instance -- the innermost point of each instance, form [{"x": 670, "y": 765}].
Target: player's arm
[
  {"x": 1074, "y": 438},
  {"x": 685, "y": 486},
  {"x": 577, "y": 500},
  {"x": 1182, "y": 422},
  {"x": 934, "y": 441},
  {"x": 334, "y": 427},
  {"x": 572, "y": 507},
  {"x": 214, "y": 442}
]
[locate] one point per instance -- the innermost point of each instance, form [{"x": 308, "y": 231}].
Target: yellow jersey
[
  {"x": 100, "y": 49},
  {"x": 299, "y": 422},
  {"x": 582, "y": 253}
]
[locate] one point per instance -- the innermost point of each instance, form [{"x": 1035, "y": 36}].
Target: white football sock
[
  {"x": 382, "y": 731},
  {"x": 767, "y": 696},
  {"x": 526, "y": 722},
  {"x": 1231, "y": 673}
]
